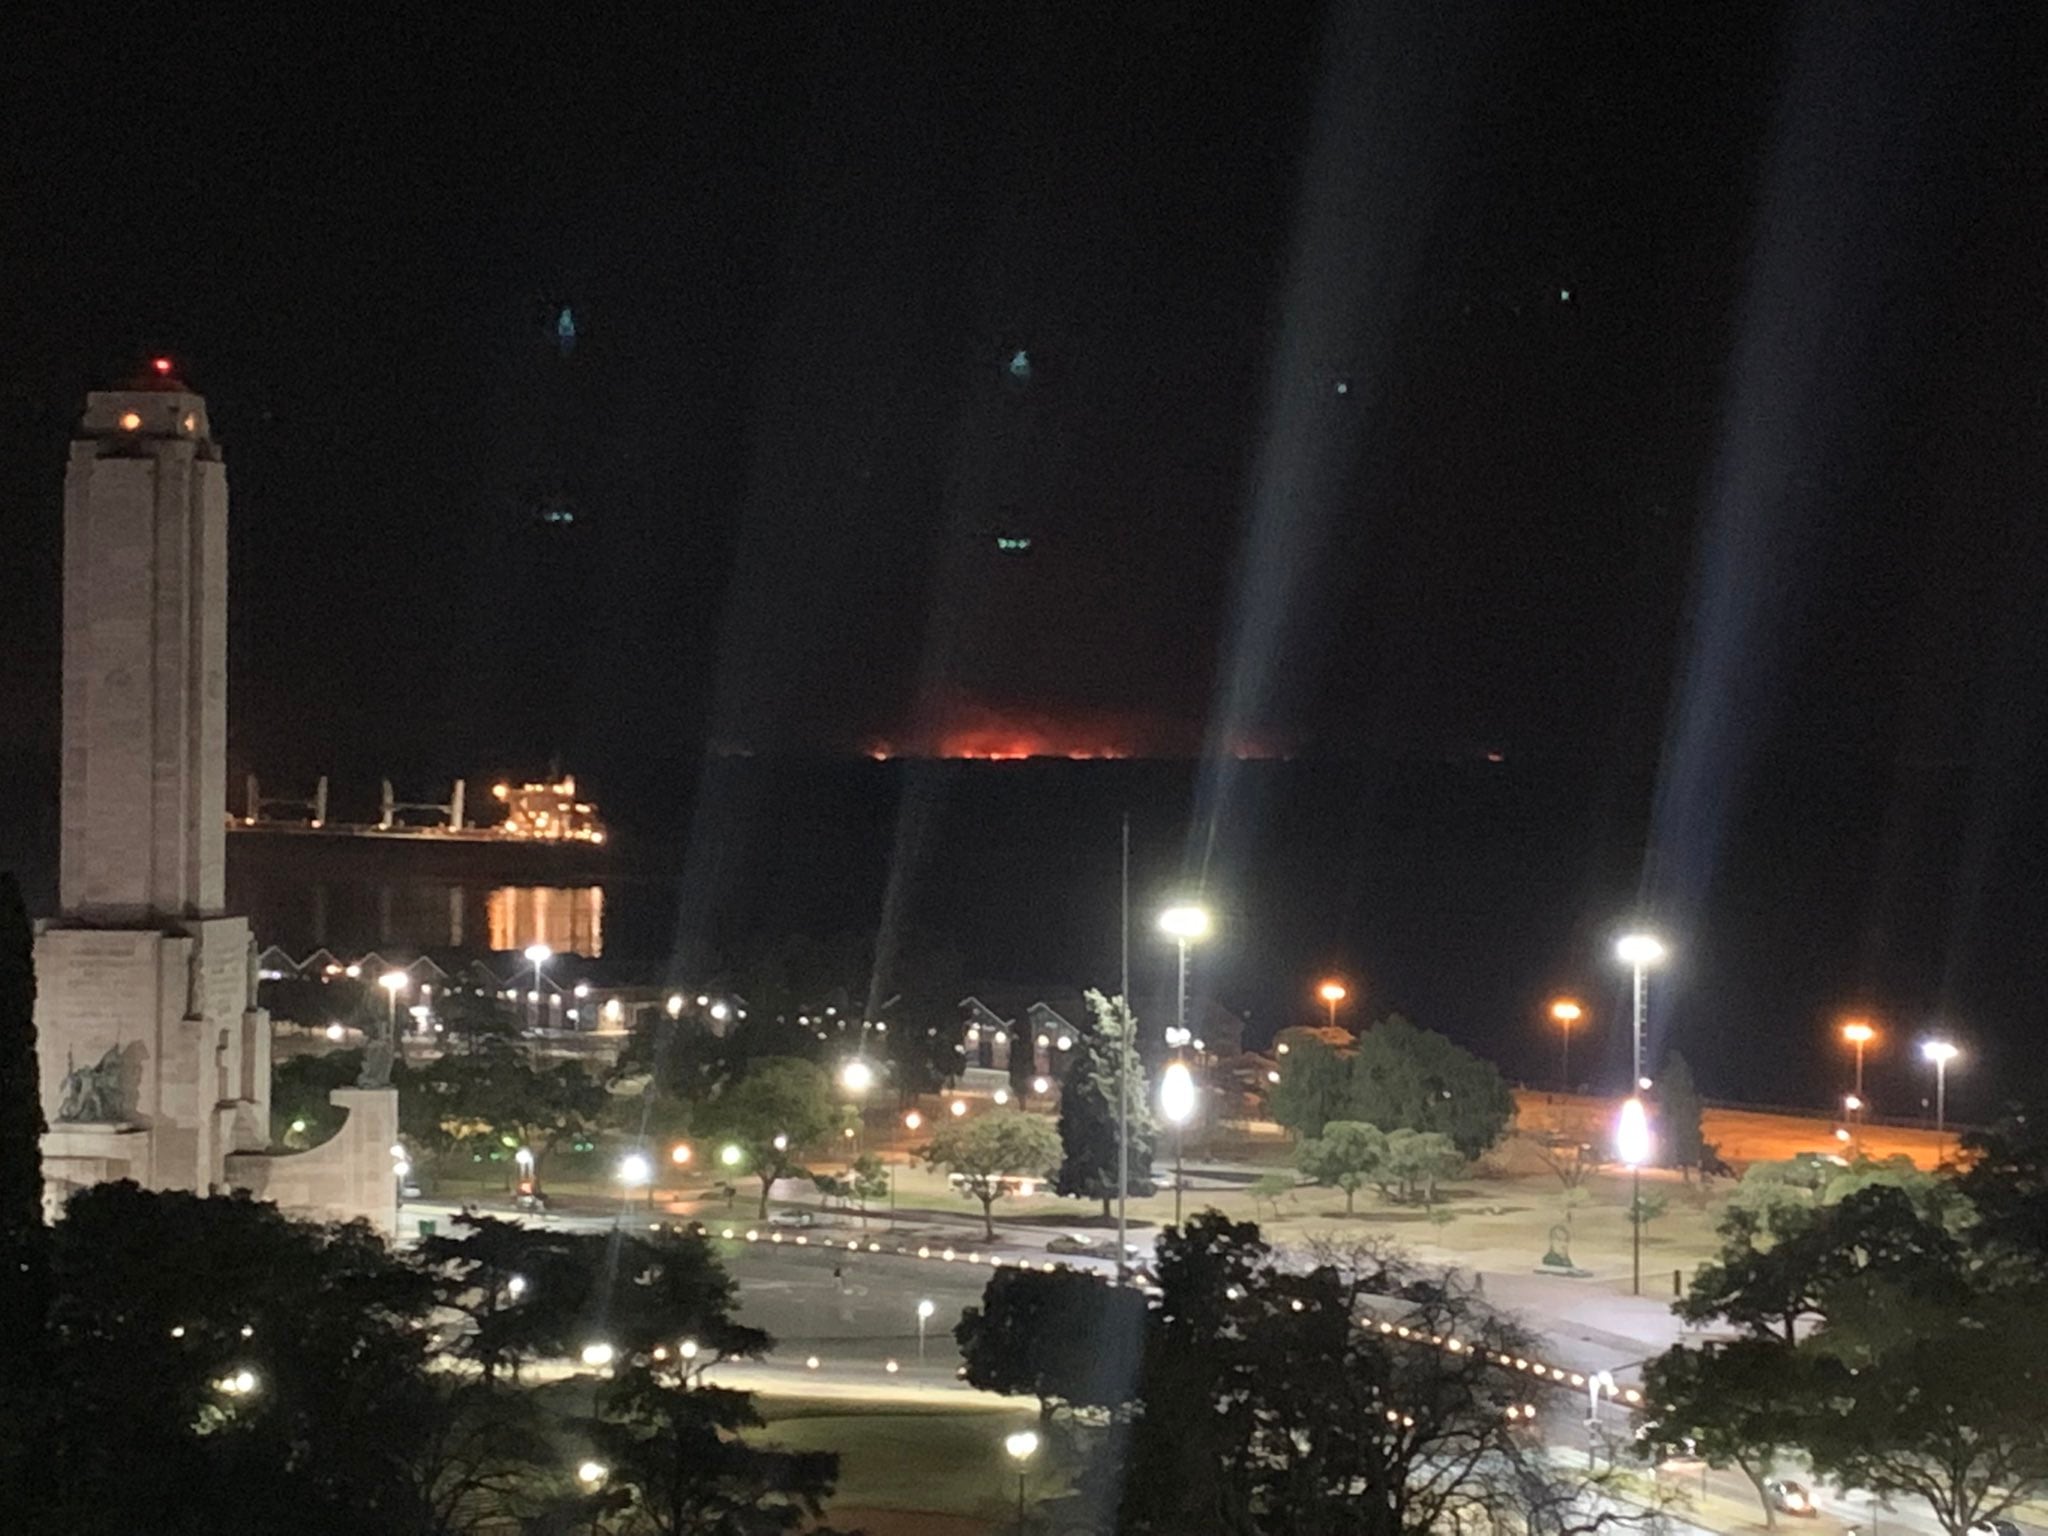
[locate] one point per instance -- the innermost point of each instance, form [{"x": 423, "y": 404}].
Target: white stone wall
[
  {"x": 196, "y": 1083},
  {"x": 145, "y": 663},
  {"x": 346, "y": 1176}
]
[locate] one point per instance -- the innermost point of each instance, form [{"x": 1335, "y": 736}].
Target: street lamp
[
  {"x": 393, "y": 983},
  {"x": 1022, "y": 1446},
  {"x": 538, "y": 955},
  {"x": 925, "y": 1309},
  {"x": 636, "y": 1172},
  {"x": 1632, "y": 1146},
  {"x": 1859, "y": 1034},
  {"x": 857, "y": 1077},
  {"x": 1332, "y": 993},
  {"x": 1941, "y": 1053},
  {"x": 1566, "y": 1013},
  {"x": 1185, "y": 924},
  {"x": 1177, "y": 1103},
  {"x": 1639, "y": 952}
]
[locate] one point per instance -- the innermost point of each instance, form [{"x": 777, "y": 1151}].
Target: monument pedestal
[
  {"x": 168, "y": 1009},
  {"x": 345, "y": 1177}
]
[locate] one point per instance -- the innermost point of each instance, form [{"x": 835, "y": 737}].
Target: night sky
[{"x": 1649, "y": 395}]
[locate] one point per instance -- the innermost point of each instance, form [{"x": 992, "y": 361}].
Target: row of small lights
[{"x": 1556, "y": 1375}]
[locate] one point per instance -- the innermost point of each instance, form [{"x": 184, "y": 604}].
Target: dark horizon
[{"x": 1650, "y": 401}]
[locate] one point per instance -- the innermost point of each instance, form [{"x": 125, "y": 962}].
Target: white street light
[
  {"x": 925, "y": 1309},
  {"x": 1185, "y": 922},
  {"x": 1177, "y": 1103},
  {"x": 591, "y": 1473},
  {"x": 1022, "y": 1446},
  {"x": 393, "y": 983},
  {"x": 857, "y": 1076},
  {"x": 597, "y": 1356},
  {"x": 1941, "y": 1053},
  {"x": 1632, "y": 1146},
  {"x": 537, "y": 955},
  {"x": 1638, "y": 951},
  {"x": 730, "y": 1155},
  {"x": 635, "y": 1170}
]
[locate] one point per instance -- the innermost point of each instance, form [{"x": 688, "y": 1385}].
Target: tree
[
  {"x": 24, "y": 1239},
  {"x": 1404, "y": 1078},
  {"x": 781, "y": 1104},
  {"x": 2005, "y": 1180},
  {"x": 1063, "y": 1337},
  {"x": 497, "y": 1098},
  {"x": 1942, "y": 1401},
  {"x": 1088, "y": 1109},
  {"x": 1265, "y": 1404},
  {"x": 1348, "y": 1154},
  {"x": 1314, "y": 1086},
  {"x": 1644, "y": 1209},
  {"x": 1778, "y": 1272},
  {"x": 675, "y": 1445},
  {"x": 988, "y": 1152},
  {"x": 219, "y": 1364},
  {"x": 1272, "y": 1188},
  {"x": 1679, "y": 1108},
  {"x": 1737, "y": 1404},
  {"x": 526, "y": 1291},
  {"x": 1415, "y": 1160}
]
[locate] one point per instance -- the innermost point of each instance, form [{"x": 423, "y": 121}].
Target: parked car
[
  {"x": 1994, "y": 1528},
  {"x": 796, "y": 1218},
  {"x": 1790, "y": 1498}
]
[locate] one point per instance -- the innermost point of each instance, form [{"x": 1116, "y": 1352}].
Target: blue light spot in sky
[
  {"x": 565, "y": 330},
  {"x": 1020, "y": 366}
]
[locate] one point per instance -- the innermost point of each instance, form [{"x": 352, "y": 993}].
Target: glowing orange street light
[
  {"x": 1332, "y": 992},
  {"x": 1859, "y": 1034},
  {"x": 1566, "y": 1013}
]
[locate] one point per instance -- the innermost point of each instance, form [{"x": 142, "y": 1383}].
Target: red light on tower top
[{"x": 162, "y": 365}]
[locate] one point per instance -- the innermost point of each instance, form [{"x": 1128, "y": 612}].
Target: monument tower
[{"x": 155, "y": 1057}]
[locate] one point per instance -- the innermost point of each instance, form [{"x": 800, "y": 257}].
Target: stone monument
[{"x": 155, "y": 1057}]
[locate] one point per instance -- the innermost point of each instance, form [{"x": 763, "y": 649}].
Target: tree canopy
[
  {"x": 1397, "y": 1077},
  {"x": 1062, "y": 1337},
  {"x": 1088, "y": 1109},
  {"x": 1348, "y": 1155},
  {"x": 770, "y": 1114},
  {"x": 988, "y": 1153}
]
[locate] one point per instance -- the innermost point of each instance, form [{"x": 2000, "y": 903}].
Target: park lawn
[{"x": 935, "y": 1459}]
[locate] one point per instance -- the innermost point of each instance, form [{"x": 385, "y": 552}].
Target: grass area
[{"x": 936, "y": 1460}]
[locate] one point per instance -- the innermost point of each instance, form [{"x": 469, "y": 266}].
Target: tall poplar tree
[
  {"x": 24, "y": 1240},
  {"x": 1088, "y": 1119}
]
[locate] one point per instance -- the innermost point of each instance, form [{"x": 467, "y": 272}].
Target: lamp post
[
  {"x": 1941, "y": 1053},
  {"x": 1177, "y": 1103},
  {"x": 1632, "y": 1145},
  {"x": 393, "y": 983},
  {"x": 925, "y": 1309},
  {"x": 857, "y": 1077},
  {"x": 1332, "y": 992},
  {"x": 1022, "y": 1446},
  {"x": 1639, "y": 951},
  {"x": 1185, "y": 924},
  {"x": 1859, "y": 1034},
  {"x": 537, "y": 955},
  {"x": 1566, "y": 1013}
]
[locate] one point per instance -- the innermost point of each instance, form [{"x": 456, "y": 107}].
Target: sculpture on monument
[
  {"x": 377, "y": 1054},
  {"x": 92, "y": 1095}
]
